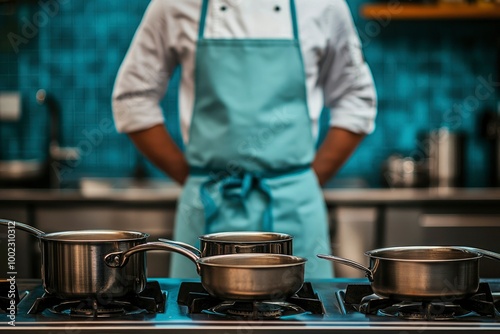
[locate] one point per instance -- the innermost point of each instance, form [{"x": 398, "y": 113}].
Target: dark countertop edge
[
  {"x": 405, "y": 196},
  {"x": 332, "y": 196}
]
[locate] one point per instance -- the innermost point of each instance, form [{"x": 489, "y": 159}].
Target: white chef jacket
[{"x": 337, "y": 76}]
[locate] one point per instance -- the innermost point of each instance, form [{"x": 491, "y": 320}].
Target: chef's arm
[
  {"x": 334, "y": 151},
  {"x": 141, "y": 83},
  {"x": 349, "y": 93},
  {"x": 157, "y": 145}
]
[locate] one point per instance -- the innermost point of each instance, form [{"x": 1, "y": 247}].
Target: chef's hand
[
  {"x": 334, "y": 151},
  {"x": 157, "y": 145}
]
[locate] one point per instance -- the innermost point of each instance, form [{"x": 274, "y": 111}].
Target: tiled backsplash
[{"x": 428, "y": 74}]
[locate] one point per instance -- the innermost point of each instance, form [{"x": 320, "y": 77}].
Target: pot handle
[
  {"x": 483, "y": 252},
  {"x": 120, "y": 259},
  {"x": 350, "y": 263},
  {"x": 24, "y": 227},
  {"x": 181, "y": 244}
]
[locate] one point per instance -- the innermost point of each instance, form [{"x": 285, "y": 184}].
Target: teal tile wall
[{"x": 426, "y": 73}]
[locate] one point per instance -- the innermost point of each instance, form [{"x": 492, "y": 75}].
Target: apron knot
[{"x": 236, "y": 187}]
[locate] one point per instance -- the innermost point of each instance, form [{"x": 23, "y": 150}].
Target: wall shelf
[{"x": 404, "y": 11}]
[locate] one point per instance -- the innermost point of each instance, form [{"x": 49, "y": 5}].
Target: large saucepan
[
  {"x": 240, "y": 242},
  {"x": 234, "y": 276},
  {"x": 422, "y": 272},
  {"x": 73, "y": 266}
]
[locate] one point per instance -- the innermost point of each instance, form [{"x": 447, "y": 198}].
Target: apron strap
[
  {"x": 295, "y": 27},
  {"x": 203, "y": 19},
  {"x": 237, "y": 187}
]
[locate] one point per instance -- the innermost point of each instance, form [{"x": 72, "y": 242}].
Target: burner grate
[
  {"x": 424, "y": 311},
  {"x": 151, "y": 300},
  {"x": 481, "y": 303},
  {"x": 256, "y": 310},
  {"x": 198, "y": 300},
  {"x": 361, "y": 298},
  {"x": 249, "y": 310},
  {"x": 91, "y": 309}
]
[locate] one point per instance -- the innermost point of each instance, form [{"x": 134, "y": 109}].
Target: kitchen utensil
[
  {"x": 22, "y": 170},
  {"x": 234, "y": 276},
  {"x": 422, "y": 272},
  {"x": 37, "y": 173},
  {"x": 445, "y": 150},
  {"x": 239, "y": 242},
  {"x": 29, "y": 173},
  {"x": 73, "y": 266},
  {"x": 10, "y": 106},
  {"x": 404, "y": 172}
]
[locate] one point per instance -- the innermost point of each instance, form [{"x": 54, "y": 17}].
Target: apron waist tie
[{"x": 237, "y": 187}]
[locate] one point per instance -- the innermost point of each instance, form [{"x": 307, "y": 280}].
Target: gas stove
[{"x": 182, "y": 306}]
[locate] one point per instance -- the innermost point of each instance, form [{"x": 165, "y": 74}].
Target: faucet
[{"x": 56, "y": 152}]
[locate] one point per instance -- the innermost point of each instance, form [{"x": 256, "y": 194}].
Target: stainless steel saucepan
[
  {"x": 239, "y": 242},
  {"x": 73, "y": 266},
  {"x": 422, "y": 272},
  {"x": 234, "y": 276}
]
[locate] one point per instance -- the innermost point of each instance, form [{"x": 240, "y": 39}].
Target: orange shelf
[{"x": 403, "y": 11}]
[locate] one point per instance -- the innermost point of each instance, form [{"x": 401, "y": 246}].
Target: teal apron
[{"x": 250, "y": 148}]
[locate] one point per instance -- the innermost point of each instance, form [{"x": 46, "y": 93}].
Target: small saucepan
[
  {"x": 73, "y": 266},
  {"x": 239, "y": 242},
  {"x": 422, "y": 273},
  {"x": 234, "y": 276}
]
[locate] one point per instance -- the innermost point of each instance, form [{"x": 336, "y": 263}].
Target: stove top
[{"x": 178, "y": 318}]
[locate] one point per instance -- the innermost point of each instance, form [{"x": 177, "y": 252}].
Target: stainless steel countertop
[
  {"x": 105, "y": 190},
  {"x": 400, "y": 195}
]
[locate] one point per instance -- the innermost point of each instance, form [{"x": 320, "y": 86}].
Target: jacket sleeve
[
  {"x": 349, "y": 90},
  {"x": 144, "y": 73}
]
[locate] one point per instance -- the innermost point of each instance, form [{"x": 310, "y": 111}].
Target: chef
[{"x": 256, "y": 75}]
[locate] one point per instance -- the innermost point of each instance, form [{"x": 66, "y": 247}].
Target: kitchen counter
[
  {"x": 378, "y": 217},
  {"x": 168, "y": 192}
]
